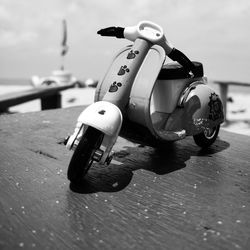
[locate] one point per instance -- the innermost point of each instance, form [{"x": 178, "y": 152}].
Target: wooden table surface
[{"x": 176, "y": 197}]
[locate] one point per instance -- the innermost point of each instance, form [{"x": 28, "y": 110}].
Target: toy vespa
[{"x": 150, "y": 101}]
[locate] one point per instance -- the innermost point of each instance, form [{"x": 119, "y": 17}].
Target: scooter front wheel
[
  {"x": 82, "y": 158},
  {"x": 207, "y": 137}
]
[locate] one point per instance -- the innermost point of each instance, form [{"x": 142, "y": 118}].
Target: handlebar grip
[
  {"x": 112, "y": 31},
  {"x": 181, "y": 58}
]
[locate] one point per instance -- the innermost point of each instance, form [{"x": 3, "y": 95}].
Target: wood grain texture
[{"x": 174, "y": 197}]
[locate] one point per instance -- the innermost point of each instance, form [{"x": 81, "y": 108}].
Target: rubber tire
[
  {"x": 203, "y": 141},
  {"x": 82, "y": 157}
]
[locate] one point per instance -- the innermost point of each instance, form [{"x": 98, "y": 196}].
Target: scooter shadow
[{"x": 162, "y": 160}]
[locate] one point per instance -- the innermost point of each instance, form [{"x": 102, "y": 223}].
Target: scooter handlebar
[
  {"x": 147, "y": 30},
  {"x": 153, "y": 33},
  {"x": 181, "y": 58},
  {"x": 144, "y": 29},
  {"x": 112, "y": 31}
]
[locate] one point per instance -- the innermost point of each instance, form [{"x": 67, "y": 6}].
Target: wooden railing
[
  {"x": 223, "y": 86},
  {"x": 50, "y": 97}
]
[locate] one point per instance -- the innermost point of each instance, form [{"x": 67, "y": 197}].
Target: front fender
[{"x": 103, "y": 116}]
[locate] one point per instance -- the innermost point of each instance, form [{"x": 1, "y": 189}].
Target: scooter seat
[{"x": 174, "y": 70}]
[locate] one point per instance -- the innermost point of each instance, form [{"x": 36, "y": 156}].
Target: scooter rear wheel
[
  {"x": 207, "y": 137},
  {"x": 82, "y": 157}
]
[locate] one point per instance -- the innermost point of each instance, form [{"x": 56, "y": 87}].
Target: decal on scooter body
[
  {"x": 199, "y": 110},
  {"x": 114, "y": 86},
  {"x": 120, "y": 98},
  {"x": 132, "y": 54},
  {"x": 216, "y": 109},
  {"x": 124, "y": 69}
]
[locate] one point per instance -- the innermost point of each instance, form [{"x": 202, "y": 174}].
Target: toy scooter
[{"x": 150, "y": 101}]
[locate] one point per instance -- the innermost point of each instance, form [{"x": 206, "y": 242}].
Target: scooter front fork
[
  {"x": 105, "y": 117},
  {"x": 72, "y": 141}
]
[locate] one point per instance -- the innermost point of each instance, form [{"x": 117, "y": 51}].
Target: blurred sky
[{"x": 214, "y": 32}]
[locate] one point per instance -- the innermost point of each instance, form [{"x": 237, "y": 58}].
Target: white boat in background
[
  {"x": 89, "y": 82},
  {"x": 59, "y": 77},
  {"x": 62, "y": 78}
]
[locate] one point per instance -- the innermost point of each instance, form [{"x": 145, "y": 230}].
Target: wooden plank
[
  {"x": 176, "y": 197},
  {"x": 16, "y": 98}
]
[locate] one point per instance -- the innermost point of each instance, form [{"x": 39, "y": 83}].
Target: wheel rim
[
  {"x": 210, "y": 132},
  {"x": 83, "y": 155}
]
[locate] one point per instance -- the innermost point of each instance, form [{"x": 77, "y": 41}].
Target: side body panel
[{"x": 201, "y": 109}]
